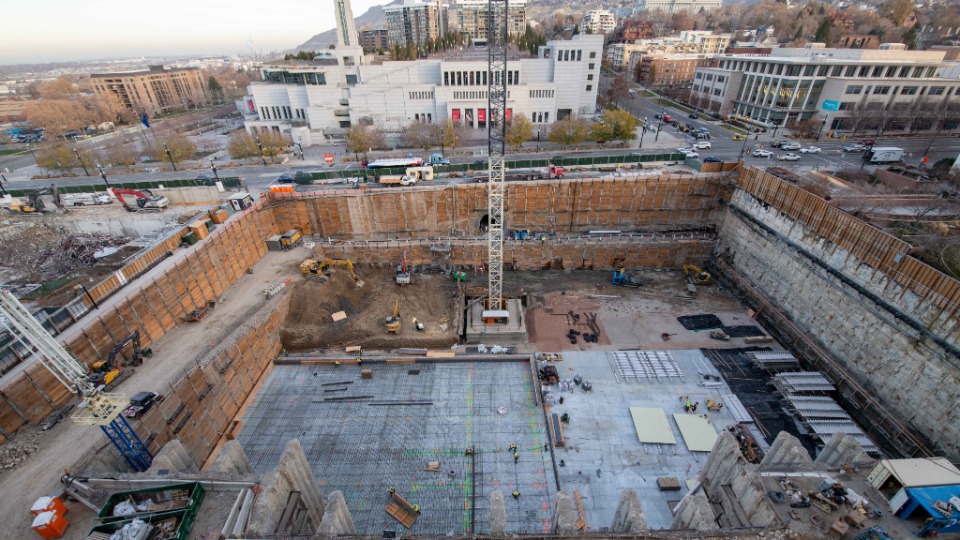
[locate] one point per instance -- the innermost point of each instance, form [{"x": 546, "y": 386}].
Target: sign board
[
  {"x": 830, "y": 105},
  {"x": 328, "y": 157}
]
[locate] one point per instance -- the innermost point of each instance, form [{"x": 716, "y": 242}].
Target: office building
[
  {"x": 155, "y": 91},
  {"x": 472, "y": 18},
  {"x": 598, "y": 21},
  {"x": 561, "y": 81},
  {"x": 889, "y": 89},
  {"x": 625, "y": 56},
  {"x": 415, "y": 22}
]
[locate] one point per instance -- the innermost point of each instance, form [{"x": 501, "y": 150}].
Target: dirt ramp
[{"x": 309, "y": 324}]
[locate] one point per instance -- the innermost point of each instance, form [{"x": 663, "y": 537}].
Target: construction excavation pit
[{"x": 682, "y": 356}]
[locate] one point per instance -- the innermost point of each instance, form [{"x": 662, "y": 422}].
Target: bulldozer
[
  {"x": 314, "y": 268},
  {"x": 697, "y": 275},
  {"x": 393, "y": 323}
]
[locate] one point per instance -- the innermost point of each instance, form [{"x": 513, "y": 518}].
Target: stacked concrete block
[
  {"x": 842, "y": 449},
  {"x": 751, "y": 496},
  {"x": 292, "y": 474},
  {"x": 498, "y": 514},
  {"x": 173, "y": 457},
  {"x": 337, "y": 520},
  {"x": 565, "y": 516},
  {"x": 724, "y": 464},
  {"x": 694, "y": 512},
  {"x": 785, "y": 450},
  {"x": 629, "y": 518},
  {"x": 232, "y": 459}
]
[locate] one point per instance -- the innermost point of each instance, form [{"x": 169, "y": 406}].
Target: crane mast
[
  {"x": 497, "y": 48},
  {"x": 98, "y": 408}
]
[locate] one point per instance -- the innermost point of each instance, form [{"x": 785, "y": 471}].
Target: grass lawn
[
  {"x": 649, "y": 94},
  {"x": 11, "y": 151},
  {"x": 734, "y": 129},
  {"x": 668, "y": 103}
]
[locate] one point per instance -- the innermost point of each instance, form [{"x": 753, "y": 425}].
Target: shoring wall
[
  {"x": 848, "y": 296},
  {"x": 644, "y": 203},
  {"x": 154, "y": 308}
]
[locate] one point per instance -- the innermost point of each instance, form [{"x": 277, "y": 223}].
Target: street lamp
[
  {"x": 214, "y": 167},
  {"x": 1, "y": 183},
  {"x": 300, "y": 144},
  {"x": 820, "y": 131},
  {"x": 92, "y": 301},
  {"x": 538, "y": 140},
  {"x": 260, "y": 146},
  {"x": 30, "y": 148},
  {"x": 642, "y": 131},
  {"x": 743, "y": 149},
  {"x": 80, "y": 159},
  {"x": 103, "y": 175},
  {"x": 170, "y": 157}
]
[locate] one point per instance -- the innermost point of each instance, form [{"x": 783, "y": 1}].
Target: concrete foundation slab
[{"x": 364, "y": 436}]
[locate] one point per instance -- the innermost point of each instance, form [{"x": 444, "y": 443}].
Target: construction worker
[
  {"x": 513, "y": 446},
  {"x": 516, "y": 494},
  {"x": 359, "y": 361},
  {"x": 337, "y": 363},
  {"x": 469, "y": 451},
  {"x": 516, "y": 457},
  {"x": 687, "y": 406},
  {"x": 392, "y": 491},
  {"x": 695, "y": 405},
  {"x": 416, "y": 508}
]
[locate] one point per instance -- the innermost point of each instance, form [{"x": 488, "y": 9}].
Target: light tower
[{"x": 497, "y": 48}]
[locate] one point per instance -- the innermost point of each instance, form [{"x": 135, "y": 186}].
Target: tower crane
[
  {"x": 497, "y": 49},
  {"x": 98, "y": 408}
]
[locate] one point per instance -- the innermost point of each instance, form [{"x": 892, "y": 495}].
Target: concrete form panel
[
  {"x": 697, "y": 431},
  {"x": 652, "y": 426}
]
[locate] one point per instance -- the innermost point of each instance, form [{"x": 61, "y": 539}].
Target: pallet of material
[
  {"x": 441, "y": 354},
  {"x": 402, "y": 511},
  {"x": 556, "y": 430}
]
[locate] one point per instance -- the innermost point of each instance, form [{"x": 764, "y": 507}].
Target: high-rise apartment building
[
  {"x": 598, "y": 21},
  {"x": 472, "y": 18},
  {"x": 154, "y": 91},
  {"x": 415, "y": 22},
  {"x": 676, "y": 6},
  {"x": 374, "y": 39}
]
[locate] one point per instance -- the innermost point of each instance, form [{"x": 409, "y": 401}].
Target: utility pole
[
  {"x": 2, "y": 189},
  {"x": 300, "y": 145},
  {"x": 214, "y": 167},
  {"x": 260, "y": 146},
  {"x": 169, "y": 156},
  {"x": 80, "y": 159},
  {"x": 824, "y": 123},
  {"x": 103, "y": 175}
]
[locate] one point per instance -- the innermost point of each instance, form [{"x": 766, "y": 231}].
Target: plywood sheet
[
  {"x": 697, "y": 431},
  {"x": 652, "y": 425}
]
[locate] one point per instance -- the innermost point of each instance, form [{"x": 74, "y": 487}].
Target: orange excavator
[{"x": 143, "y": 200}]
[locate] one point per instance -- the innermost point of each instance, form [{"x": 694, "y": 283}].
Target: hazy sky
[{"x": 65, "y": 30}]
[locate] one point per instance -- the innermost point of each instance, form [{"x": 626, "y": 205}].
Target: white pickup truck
[{"x": 84, "y": 199}]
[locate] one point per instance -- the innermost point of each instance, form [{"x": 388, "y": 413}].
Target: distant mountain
[{"x": 374, "y": 16}]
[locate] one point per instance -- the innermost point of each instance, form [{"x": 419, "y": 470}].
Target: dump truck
[
  {"x": 397, "y": 180},
  {"x": 531, "y": 173},
  {"x": 290, "y": 239}
]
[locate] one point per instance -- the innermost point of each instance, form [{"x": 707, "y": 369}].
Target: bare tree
[{"x": 420, "y": 135}]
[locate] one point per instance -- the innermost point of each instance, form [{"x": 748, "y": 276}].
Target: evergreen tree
[{"x": 822, "y": 34}]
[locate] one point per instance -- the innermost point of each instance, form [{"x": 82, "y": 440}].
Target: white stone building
[
  {"x": 598, "y": 21},
  {"x": 325, "y": 98},
  {"x": 626, "y": 55}
]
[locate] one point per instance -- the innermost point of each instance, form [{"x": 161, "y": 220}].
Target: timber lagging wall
[
  {"x": 668, "y": 202},
  {"x": 885, "y": 326},
  {"x": 154, "y": 308}
]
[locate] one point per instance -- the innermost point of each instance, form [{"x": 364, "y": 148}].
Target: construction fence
[
  {"x": 227, "y": 181},
  {"x": 480, "y": 167}
]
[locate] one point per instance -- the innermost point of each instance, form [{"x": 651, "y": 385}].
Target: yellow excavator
[
  {"x": 393, "y": 323},
  {"x": 697, "y": 275},
  {"x": 311, "y": 268}
]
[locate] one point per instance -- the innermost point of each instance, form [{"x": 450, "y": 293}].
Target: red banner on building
[
  {"x": 481, "y": 115},
  {"x": 508, "y": 115},
  {"x": 456, "y": 115},
  {"x": 251, "y": 106}
]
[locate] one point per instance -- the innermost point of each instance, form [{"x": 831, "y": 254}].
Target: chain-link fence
[{"x": 228, "y": 182}]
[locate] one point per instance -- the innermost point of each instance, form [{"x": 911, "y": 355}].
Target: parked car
[
  {"x": 712, "y": 159},
  {"x": 285, "y": 179},
  {"x": 762, "y": 153},
  {"x": 788, "y": 157},
  {"x": 868, "y": 143},
  {"x": 776, "y": 144},
  {"x": 702, "y": 145},
  {"x": 855, "y": 148},
  {"x": 692, "y": 115},
  {"x": 692, "y": 154},
  {"x": 739, "y": 138},
  {"x": 658, "y": 116},
  {"x": 140, "y": 403},
  {"x": 791, "y": 146},
  {"x": 811, "y": 150}
]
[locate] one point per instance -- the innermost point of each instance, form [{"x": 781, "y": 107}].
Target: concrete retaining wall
[
  {"x": 895, "y": 337},
  {"x": 191, "y": 195}
]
